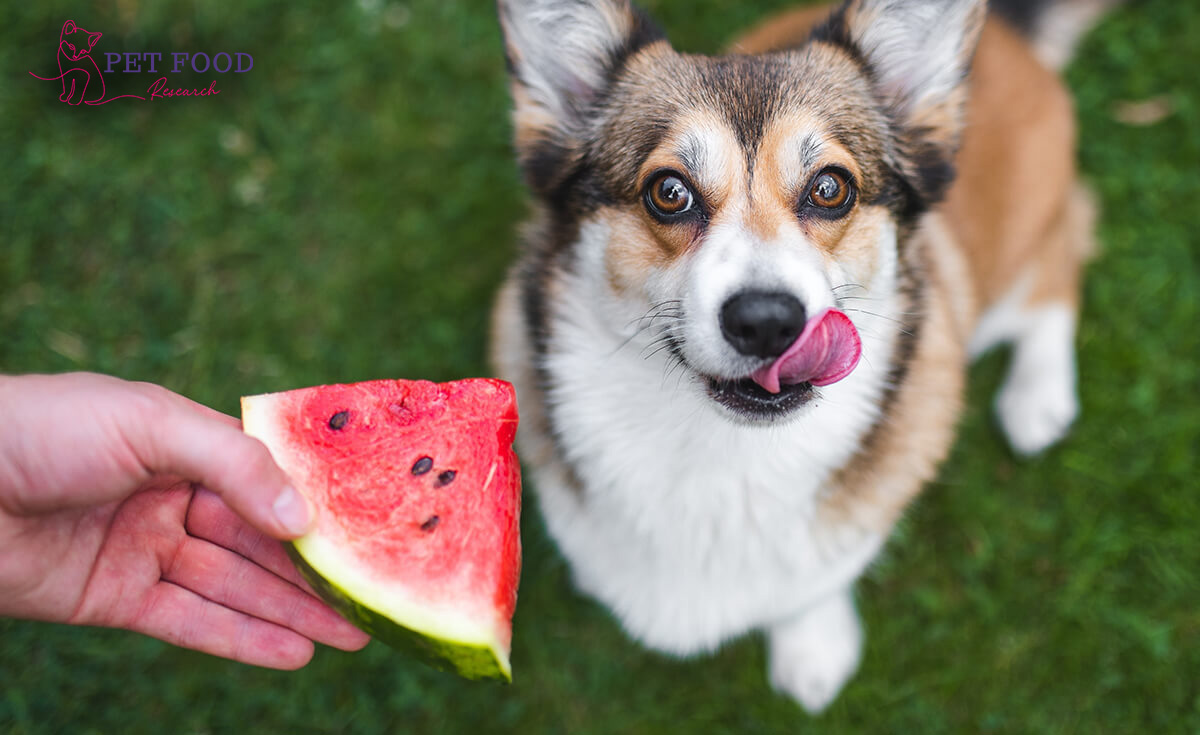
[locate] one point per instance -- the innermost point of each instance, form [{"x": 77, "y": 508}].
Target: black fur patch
[
  {"x": 930, "y": 175},
  {"x": 834, "y": 30},
  {"x": 543, "y": 165},
  {"x": 1020, "y": 14},
  {"x": 550, "y": 251},
  {"x": 934, "y": 172},
  {"x": 644, "y": 32}
]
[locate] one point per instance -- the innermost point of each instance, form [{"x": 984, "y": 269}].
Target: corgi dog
[{"x": 751, "y": 287}]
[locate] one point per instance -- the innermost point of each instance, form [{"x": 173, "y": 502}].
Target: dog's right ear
[
  {"x": 562, "y": 56},
  {"x": 918, "y": 54}
]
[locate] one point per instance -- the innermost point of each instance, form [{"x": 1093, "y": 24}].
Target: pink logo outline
[{"x": 77, "y": 68}]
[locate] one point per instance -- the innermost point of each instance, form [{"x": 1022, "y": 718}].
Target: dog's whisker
[
  {"x": 659, "y": 316},
  {"x": 903, "y": 324},
  {"x": 646, "y": 322},
  {"x": 660, "y": 309},
  {"x": 864, "y": 298},
  {"x": 665, "y": 346},
  {"x": 675, "y": 363},
  {"x": 653, "y": 348}
]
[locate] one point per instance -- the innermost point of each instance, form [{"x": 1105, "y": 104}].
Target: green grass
[{"x": 346, "y": 210}]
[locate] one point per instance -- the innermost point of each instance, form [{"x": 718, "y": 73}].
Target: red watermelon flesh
[{"x": 418, "y": 497}]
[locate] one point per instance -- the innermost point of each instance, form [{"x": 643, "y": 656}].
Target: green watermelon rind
[{"x": 467, "y": 659}]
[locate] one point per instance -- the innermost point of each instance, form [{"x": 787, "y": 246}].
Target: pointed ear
[
  {"x": 918, "y": 53},
  {"x": 562, "y": 55},
  {"x": 93, "y": 37},
  {"x": 68, "y": 27}
]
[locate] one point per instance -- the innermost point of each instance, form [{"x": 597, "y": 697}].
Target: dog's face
[{"x": 749, "y": 211}]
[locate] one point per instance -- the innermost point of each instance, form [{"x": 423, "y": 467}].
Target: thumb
[{"x": 208, "y": 447}]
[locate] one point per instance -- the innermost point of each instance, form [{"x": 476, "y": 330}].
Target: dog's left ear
[
  {"x": 562, "y": 56},
  {"x": 918, "y": 53}
]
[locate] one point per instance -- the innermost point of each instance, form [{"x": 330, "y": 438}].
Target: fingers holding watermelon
[
  {"x": 215, "y": 600},
  {"x": 188, "y": 620},
  {"x": 105, "y": 519},
  {"x": 209, "y": 517},
  {"x": 256, "y": 578},
  {"x": 103, "y": 522}
]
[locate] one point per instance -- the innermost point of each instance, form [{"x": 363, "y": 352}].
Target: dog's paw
[
  {"x": 812, "y": 656},
  {"x": 1035, "y": 414},
  {"x": 1038, "y": 403}
]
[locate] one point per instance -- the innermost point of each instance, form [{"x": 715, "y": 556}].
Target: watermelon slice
[{"x": 418, "y": 494}]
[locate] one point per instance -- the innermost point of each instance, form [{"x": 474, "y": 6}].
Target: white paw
[
  {"x": 1036, "y": 408},
  {"x": 813, "y": 656},
  {"x": 1037, "y": 403}
]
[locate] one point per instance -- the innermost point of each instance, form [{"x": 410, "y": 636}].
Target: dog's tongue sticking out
[{"x": 825, "y": 352}]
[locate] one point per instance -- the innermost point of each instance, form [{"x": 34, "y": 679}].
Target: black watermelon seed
[
  {"x": 423, "y": 465},
  {"x": 430, "y": 523},
  {"x": 445, "y": 478},
  {"x": 338, "y": 420}
]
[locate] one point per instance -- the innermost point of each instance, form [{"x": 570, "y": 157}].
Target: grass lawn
[{"x": 345, "y": 211}]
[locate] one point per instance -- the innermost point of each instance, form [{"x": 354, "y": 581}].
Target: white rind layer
[{"x": 395, "y": 602}]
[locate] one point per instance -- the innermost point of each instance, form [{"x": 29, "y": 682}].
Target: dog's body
[{"x": 697, "y": 219}]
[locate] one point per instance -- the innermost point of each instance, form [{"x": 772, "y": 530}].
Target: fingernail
[{"x": 293, "y": 511}]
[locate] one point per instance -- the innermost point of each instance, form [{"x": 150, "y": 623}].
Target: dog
[{"x": 752, "y": 285}]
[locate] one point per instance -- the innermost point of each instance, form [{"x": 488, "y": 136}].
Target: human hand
[{"x": 125, "y": 505}]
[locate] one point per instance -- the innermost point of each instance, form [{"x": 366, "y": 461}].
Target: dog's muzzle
[{"x": 803, "y": 353}]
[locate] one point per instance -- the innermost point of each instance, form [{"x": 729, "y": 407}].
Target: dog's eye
[
  {"x": 668, "y": 196},
  {"x": 831, "y": 193}
]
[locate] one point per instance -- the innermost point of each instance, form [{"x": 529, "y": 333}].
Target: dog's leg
[
  {"x": 1038, "y": 401},
  {"x": 813, "y": 654}
]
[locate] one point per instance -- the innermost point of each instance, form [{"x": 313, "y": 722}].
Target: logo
[{"x": 83, "y": 82}]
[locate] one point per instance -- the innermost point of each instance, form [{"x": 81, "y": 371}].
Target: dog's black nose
[{"x": 762, "y": 323}]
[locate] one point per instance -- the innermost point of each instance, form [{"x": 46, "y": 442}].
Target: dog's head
[{"x": 752, "y": 209}]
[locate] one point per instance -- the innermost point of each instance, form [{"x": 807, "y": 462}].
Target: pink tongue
[{"x": 825, "y": 352}]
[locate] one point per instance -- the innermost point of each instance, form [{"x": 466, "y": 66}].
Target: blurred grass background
[{"x": 345, "y": 211}]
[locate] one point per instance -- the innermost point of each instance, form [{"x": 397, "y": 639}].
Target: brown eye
[
  {"x": 668, "y": 196},
  {"x": 830, "y": 190}
]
